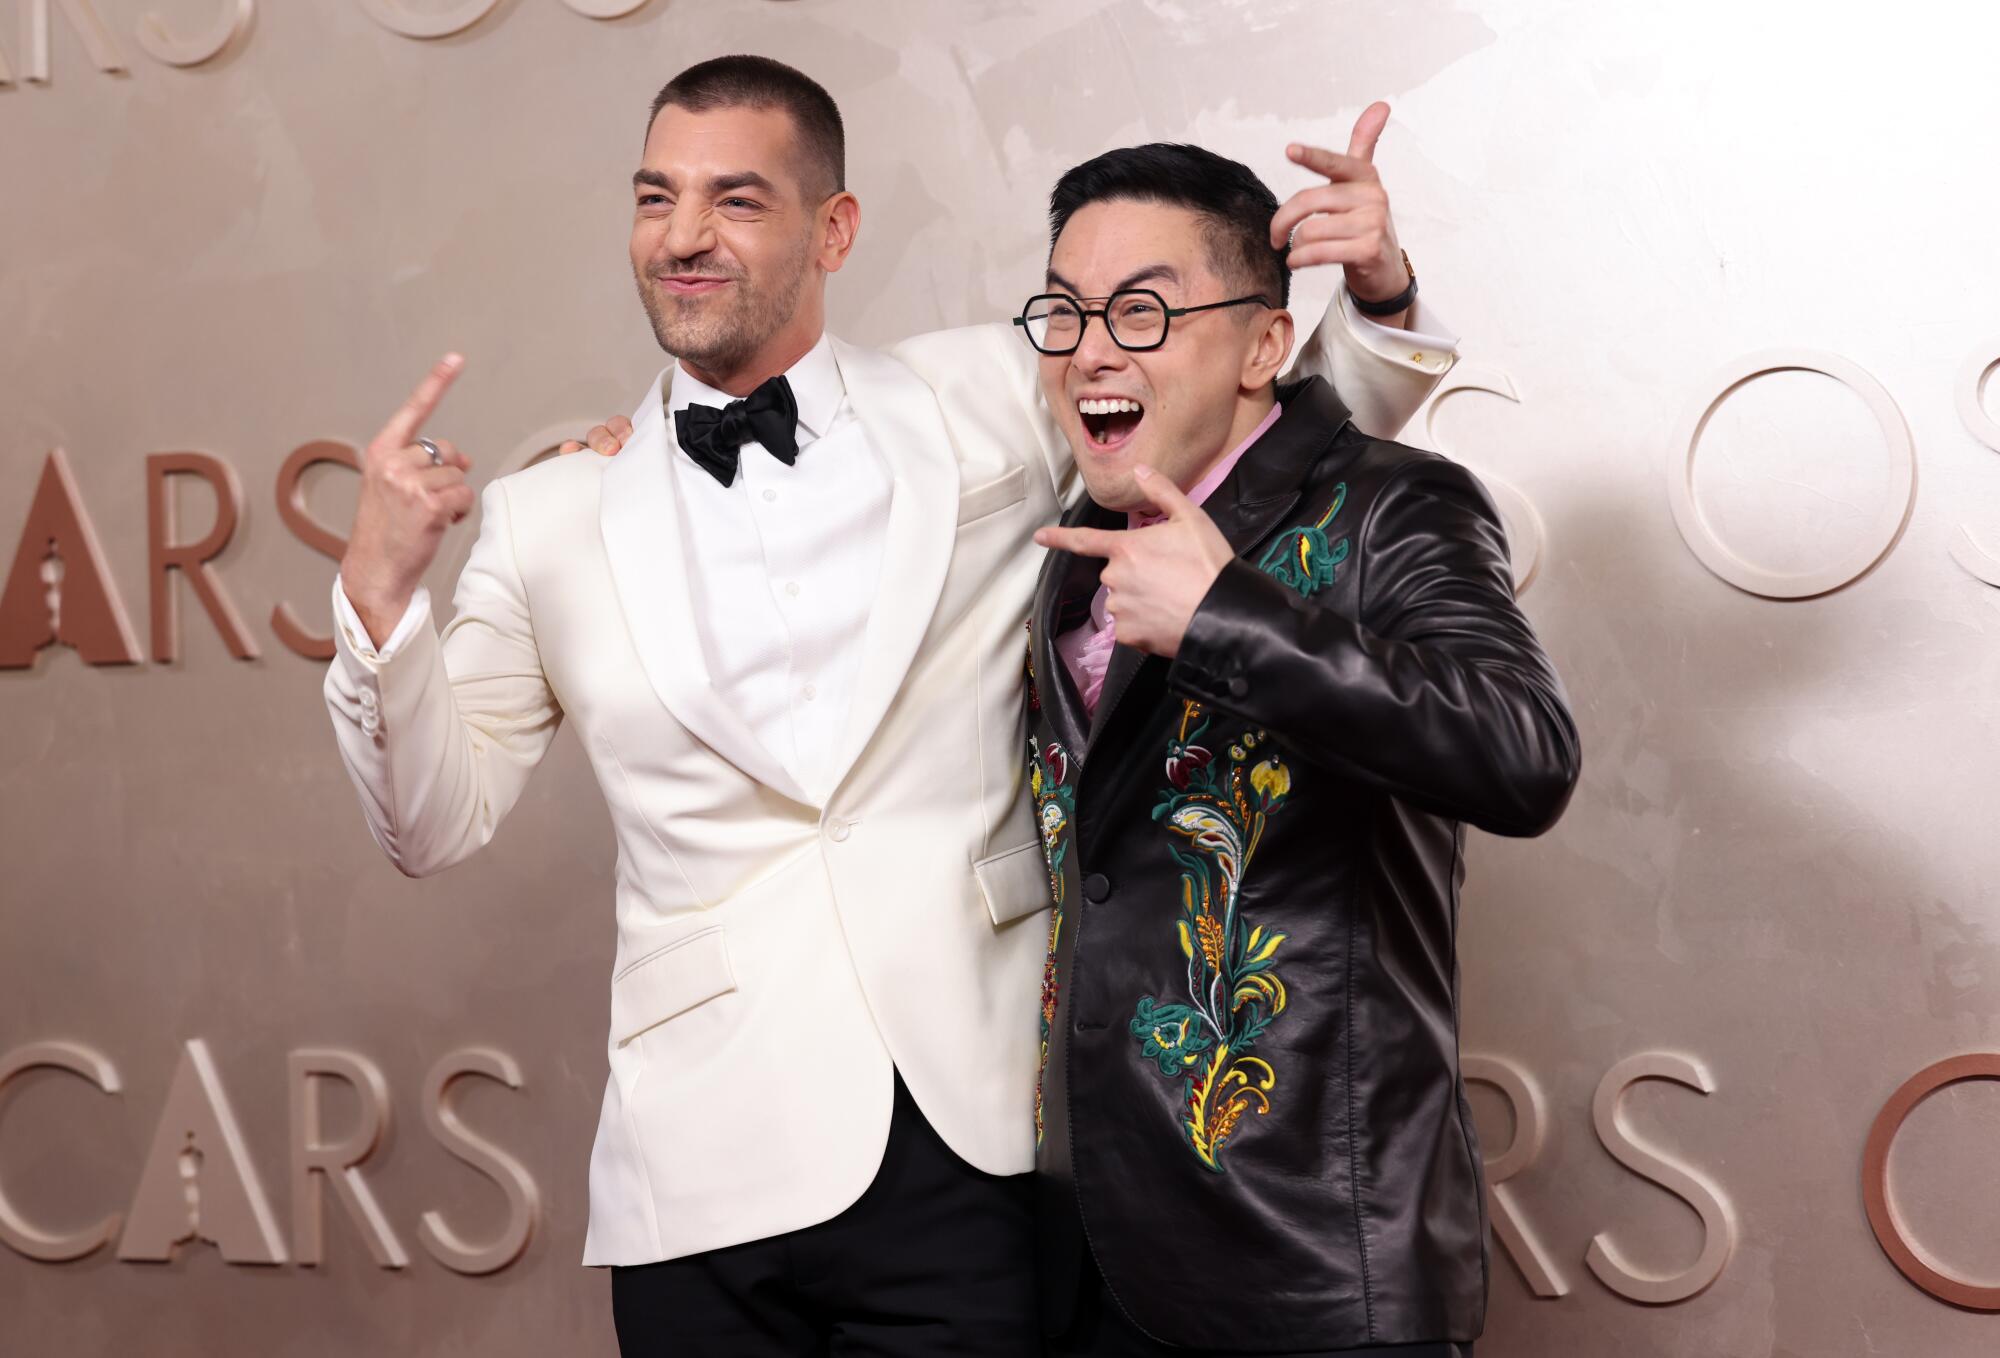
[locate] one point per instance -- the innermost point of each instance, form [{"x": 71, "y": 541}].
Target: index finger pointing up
[
  {"x": 1332, "y": 164},
  {"x": 1368, "y": 130},
  {"x": 409, "y": 418}
]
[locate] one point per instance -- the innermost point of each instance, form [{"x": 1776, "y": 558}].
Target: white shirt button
[
  {"x": 836, "y": 830},
  {"x": 367, "y": 699},
  {"x": 811, "y": 692},
  {"x": 770, "y": 495},
  {"x": 792, "y": 588}
]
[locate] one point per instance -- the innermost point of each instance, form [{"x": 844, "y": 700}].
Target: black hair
[
  {"x": 1235, "y": 206},
  {"x": 760, "y": 82}
]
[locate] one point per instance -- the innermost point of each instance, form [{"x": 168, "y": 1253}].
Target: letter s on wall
[
  {"x": 524, "y": 1200},
  {"x": 1718, "y": 1220}
]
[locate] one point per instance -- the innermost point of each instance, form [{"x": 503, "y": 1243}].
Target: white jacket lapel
[
  {"x": 642, "y": 539},
  {"x": 908, "y": 432}
]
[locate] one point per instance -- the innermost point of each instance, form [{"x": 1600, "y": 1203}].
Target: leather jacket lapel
[{"x": 1062, "y": 599}]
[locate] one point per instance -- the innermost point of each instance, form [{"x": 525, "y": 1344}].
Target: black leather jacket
[{"x": 1251, "y": 1112}]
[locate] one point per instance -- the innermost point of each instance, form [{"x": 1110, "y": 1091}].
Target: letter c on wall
[
  {"x": 1525, "y": 533},
  {"x": 1710, "y": 550},
  {"x": 1882, "y": 1217},
  {"x": 15, "y": 1230}
]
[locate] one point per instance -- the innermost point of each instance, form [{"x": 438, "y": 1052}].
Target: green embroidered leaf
[
  {"x": 1171, "y": 1036},
  {"x": 1303, "y": 558}
]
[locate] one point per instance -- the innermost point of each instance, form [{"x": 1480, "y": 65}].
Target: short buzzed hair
[
  {"x": 761, "y": 83},
  {"x": 1234, "y": 205}
]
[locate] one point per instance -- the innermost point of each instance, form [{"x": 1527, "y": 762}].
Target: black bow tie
[{"x": 715, "y": 438}]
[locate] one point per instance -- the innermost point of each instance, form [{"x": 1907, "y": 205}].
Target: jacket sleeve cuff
[
  {"x": 355, "y": 634},
  {"x": 1424, "y": 344},
  {"x": 1242, "y": 611}
]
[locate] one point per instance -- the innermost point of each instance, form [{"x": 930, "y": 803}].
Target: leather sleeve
[{"x": 1439, "y": 694}]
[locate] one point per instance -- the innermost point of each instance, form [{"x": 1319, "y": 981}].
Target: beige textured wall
[{"x": 1780, "y": 862}]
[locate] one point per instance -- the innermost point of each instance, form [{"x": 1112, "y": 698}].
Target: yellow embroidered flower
[{"x": 1271, "y": 779}]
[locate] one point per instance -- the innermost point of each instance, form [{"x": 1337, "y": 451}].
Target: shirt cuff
[
  {"x": 1403, "y": 344},
  {"x": 356, "y": 632}
]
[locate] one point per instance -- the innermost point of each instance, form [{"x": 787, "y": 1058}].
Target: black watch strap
[{"x": 1390, "y": 306}]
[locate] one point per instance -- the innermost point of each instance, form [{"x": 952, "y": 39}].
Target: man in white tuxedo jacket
[{"x": 798, "y": 674}]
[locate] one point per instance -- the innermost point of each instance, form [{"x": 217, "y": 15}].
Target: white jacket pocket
[
  {"x": 668, "y": 981},
  {"x": 1015, "y": 882}
]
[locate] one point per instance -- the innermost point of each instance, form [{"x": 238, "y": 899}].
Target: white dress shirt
[{"x": 782, "y": 566}]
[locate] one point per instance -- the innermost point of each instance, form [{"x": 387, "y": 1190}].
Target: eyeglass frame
[{"x": 1168, "y": 313}]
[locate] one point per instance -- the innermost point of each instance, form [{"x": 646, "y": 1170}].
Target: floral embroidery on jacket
[
  {"x": 1055, "y": 807},
  {"x": 1303, "y": 558},
  {"x": 1215, "y": 806}
]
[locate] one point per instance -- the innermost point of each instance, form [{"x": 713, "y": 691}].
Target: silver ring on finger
[{"x": 435, "y": 453}]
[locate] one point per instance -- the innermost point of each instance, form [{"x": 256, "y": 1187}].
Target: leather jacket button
[
  {"x": 1096, "y": 888},
  {"x": 1239, "y": 687}
]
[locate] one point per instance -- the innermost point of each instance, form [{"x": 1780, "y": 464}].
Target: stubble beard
[{"x": 720, "y": 339}]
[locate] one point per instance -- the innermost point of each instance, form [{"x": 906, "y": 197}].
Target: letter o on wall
[
  {"x": 1710, "y": 549},
  {"x": 1889, "y": 1233}
]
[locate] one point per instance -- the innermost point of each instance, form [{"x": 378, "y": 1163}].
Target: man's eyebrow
[
  {"x": 1164, "y": 273},
  {"x": 722, "y": 183},
  {"x": 741, "y": 179}
]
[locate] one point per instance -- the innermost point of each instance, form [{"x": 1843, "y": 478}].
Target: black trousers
[
  {"x": 1101, "y": 1330},
  {"x": 936, "y": 1260}
]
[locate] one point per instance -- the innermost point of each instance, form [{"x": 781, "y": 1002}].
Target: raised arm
[
  {"x": 438, "y": 734},
  {"x": 1381, "y": 366}
]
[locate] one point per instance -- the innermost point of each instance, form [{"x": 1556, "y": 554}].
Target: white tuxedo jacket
[{"x": 777, "y": 956}]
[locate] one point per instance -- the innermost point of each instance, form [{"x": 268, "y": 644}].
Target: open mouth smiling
[{"x": 1109, "y": 421}]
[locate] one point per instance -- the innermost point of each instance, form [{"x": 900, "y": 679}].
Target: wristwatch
[{"x": 1400, "y": 302}]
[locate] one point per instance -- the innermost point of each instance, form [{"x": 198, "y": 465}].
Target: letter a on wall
[
  {"x": 199, "y": 1183},
  {"x": 58, "y": 589}
]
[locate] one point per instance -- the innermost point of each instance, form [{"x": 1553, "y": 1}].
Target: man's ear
[
  {"x": 1271, "y": 347},
  {"x": 839, "y": 223}
]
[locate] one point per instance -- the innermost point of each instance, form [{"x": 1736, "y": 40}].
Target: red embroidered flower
[
  {"x": 1182, "y": 763},
  {"x": 1058, "y": 762}
]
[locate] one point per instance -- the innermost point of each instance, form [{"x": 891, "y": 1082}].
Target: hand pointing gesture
[
  {"x": 1158, "y": 575},
  {"x": 1346, "y": 220},
  {"x": 408, "y": 499}
]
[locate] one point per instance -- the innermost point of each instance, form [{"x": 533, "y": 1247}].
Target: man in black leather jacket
[{"x": 1278, "y": 668}]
